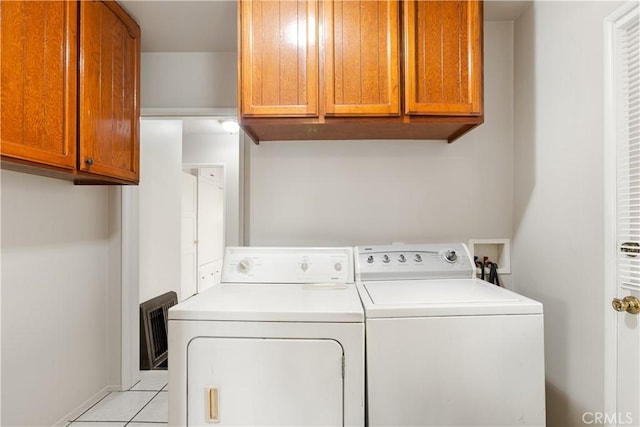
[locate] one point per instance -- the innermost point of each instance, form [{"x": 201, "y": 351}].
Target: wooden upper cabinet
[
  {"x": 391, "y": 69},
  {"x": 279, "y": 56},
  {"x": 361, "y": 57},
  {"x": 443, "y": 57},
  {"x": 109, "y": 108},
  {"x": 38, "y": 82}
]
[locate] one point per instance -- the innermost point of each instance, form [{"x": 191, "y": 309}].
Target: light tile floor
[{"x": 143, "y": 405}]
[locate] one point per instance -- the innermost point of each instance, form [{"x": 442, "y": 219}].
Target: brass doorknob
[{"x": 630, "y": 304}]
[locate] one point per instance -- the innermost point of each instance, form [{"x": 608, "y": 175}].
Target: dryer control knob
[
  {"x": 402, "y": 258},
  {"x": 386, "y": 259},
  {"x": 304, "y": 266},
  {"x": 451, "y": 256},
  {"x": 244, "y": 266},
  {"x": 338, "y": 266},
  {"x": 370, "y": 259},
  {"x": 417, "y": 258}
]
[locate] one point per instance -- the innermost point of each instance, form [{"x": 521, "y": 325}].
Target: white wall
[
  {"x": 188, "y": 80},
  {"x": 557, "y": 252},
  {"x": 160, "y": 198},
  {"x": 219, "y": 149},
  {"x": 0, "y": 302},
  {"x": 114, "y": 287},
  {"x": 365, "y": 192},
  {"x": 55, "y": 278}
]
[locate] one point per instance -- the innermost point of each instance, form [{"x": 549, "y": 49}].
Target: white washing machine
[
  {"x": 444, "y": 348},
  {"x": 280, "y": 342}
]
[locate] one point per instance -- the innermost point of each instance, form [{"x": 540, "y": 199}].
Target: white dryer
[
  {"x": 444, "y": 348},
  {"x": 280, "y": 342}
]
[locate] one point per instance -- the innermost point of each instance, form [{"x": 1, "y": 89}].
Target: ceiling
[
  {"x": 504, "y": 10},
  {"x": 185, "y": 26},
  {"x": 210, "y": 25},
  {"x": 193, "y": 126}
]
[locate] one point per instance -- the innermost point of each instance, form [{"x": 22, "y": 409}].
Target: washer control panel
[
  {"x": 287, "y": 265},
  {"x": 424, "y": 261}
]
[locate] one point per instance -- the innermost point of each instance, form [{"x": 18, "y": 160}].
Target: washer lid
[
  {"x": 262, "y": 302},
  {"x": 450, "y": 297}
]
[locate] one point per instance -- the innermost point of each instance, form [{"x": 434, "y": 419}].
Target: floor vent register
[{"x": 153, "y": 331}]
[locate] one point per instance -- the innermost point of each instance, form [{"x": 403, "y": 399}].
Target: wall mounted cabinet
[
  {"x": 361, "y": 58},
  {"x": 358, "y": 81},
  {"x": 39, "y": 102},
  {"x": 70, "y": 90},
  {"x": 280, "y": 63},
  {"x": 443, "y": 62},
  {"x": 109, "y": 92}
]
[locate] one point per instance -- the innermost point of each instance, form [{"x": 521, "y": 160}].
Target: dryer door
[{"x": 264, "y": 382}]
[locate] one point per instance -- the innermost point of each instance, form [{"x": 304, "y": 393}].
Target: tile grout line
[
  {"x": 142, "y": 409},
  {"x": 146, "y": 422},
  {"x": 157, "y": 392},
  {"x": 77, "y": 420},
  {"x": 131, "y": 388},
  {"x": 90, "y": 407},
  {"x": 97, "y": 423}
]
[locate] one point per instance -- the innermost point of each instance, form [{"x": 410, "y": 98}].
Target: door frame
[
  {"x": 610, "y": 287},
  {"x": 130, "y": 286},
  {"x": 130, "y": 291}
]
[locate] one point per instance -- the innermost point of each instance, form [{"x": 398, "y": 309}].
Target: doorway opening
[{"x": 171, "y": 148}]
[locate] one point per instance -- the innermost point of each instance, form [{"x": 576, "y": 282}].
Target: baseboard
[{"x": 64, "y": 421}]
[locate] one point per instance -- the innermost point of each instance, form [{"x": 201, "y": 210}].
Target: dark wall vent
[{"x": 153, "y": 331}]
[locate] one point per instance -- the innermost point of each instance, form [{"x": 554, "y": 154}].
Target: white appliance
[
  {"x": 444, "y": 348},
  {"x": 280, "y": 342}
]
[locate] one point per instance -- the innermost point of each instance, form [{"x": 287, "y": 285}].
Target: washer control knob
[
  {"x": 304, "y": 266},
  {"x": 244, "y": 266},
  {"x": 386, "y": 259},
  {"x": 338, "y": 266},
  {"x": 402, "y": 258},
  {"x": 370, "y": 259},
  {"x": 417, "y": 258},
  {"x": 451, "y": 256}
]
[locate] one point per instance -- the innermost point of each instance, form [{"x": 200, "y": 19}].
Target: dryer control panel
[
  {"x": 287, "y": 265},
  {"x": 423, "y": 261}
]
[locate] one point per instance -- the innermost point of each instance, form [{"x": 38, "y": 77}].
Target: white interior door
[
  {"x": 189, "y": 265},
  {"x": 210, "y": 225},
  {"x": 264, "y": 382},
  {"x": 622, "y": 244}
]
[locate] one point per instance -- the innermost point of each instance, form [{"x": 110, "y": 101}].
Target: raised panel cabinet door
[
  {"x": 38, "y": 82},
  {"x": 443, "y": 57},
  {"x": 361, "y": 57},
  {"x": 279, "y": 58},
  {"x": 109, "y": 109}
]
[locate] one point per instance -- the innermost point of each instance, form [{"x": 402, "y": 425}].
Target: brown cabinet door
[
  {"x": 38, "y": 88},
  {"x": 443, "y": 57},
  {"x": 361, "y": 58},
  {"x": 279, "y": 58},
  {"x": 109, "y": 109}
]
